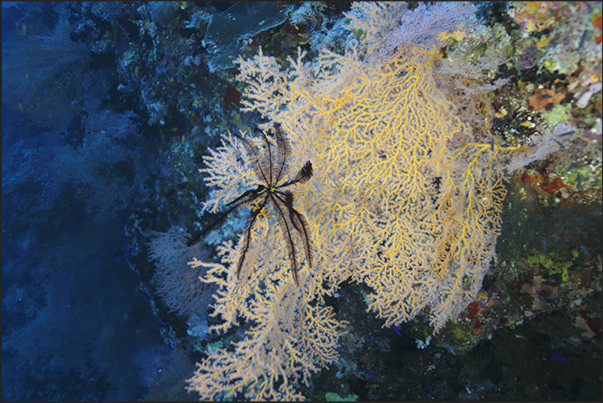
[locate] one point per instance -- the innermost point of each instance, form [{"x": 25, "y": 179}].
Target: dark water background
[{"x": 75, "y": 325}]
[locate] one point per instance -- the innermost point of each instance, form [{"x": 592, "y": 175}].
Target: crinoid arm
[
  {"x": 246, "y": 197},
  {"x": 261, "y": 163},
  {"x": 304, "y": 174},
  {"x": 247, "y": 235},
  {"x": 283, "y": 149},
  {"x": 300, "y": 224},
  {"x": 284, "y": 201},
  {"x": 287, "y": 231}
]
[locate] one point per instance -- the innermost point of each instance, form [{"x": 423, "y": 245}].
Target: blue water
[
  {"x": 75, "y": 325},
  {"x": 73, "y": 320}
]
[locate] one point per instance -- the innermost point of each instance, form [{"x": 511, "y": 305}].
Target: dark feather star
[{"x": 270, "y": 166}]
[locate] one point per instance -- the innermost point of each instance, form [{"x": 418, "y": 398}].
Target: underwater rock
[{"x": 227, "y": 29}]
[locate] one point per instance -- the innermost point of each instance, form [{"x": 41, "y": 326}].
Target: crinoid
[{"x": 270, "y": 165}]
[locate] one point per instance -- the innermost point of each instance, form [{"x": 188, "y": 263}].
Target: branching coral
[
  {"x": 406, "y": 198},
  {"x": 178, "y": 283}
]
